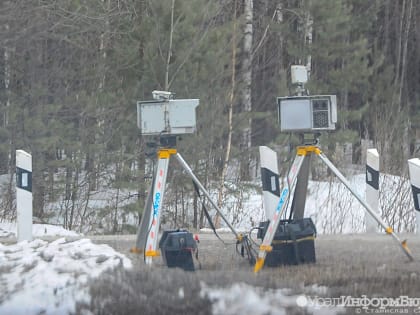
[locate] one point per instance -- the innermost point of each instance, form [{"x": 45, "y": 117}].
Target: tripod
[
  {"x": 147, "y": 236},
  {"x": 300, "y": 168}
]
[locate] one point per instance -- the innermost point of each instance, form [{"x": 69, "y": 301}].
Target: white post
[
  {"x": 270, "y": 180},
  {"x": 24, "y": 195},
  {"x": 414, "y": 172},
  {"x": 372, "y": 188}
]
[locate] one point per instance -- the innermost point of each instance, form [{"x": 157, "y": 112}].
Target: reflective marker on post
[
  {"x": 372, "y": 188},
  {"x": 414, "y": 172},
  {"x": 24, "y": 195}
]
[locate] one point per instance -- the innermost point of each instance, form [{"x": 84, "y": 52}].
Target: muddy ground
[{"x": 347, "y": 265}]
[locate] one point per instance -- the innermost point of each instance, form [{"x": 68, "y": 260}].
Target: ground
[
  {"x": 347, "y": 265},
  {"x": 362, "y": 267}
]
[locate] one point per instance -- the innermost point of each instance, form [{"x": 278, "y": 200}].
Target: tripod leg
[
  {"x": 144, "y": 223},
  {"x": 299, "y": 196},
  {"x": 151, "y": 249},
  {"x": 188, "y": 169},
  {"x": 346, "y": 183},
  {"x": 281, "y": 206}
]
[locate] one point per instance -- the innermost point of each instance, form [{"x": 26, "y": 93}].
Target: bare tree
[{"x": 230, "y": 119}]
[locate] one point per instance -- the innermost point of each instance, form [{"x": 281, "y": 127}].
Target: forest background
[{"x": 71, "y": 72}]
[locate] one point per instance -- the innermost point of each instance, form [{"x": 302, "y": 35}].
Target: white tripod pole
[
  {"x": 281, "y": 207},
  {"x": 158, "y": 194},
  {"x": 388, "y": 229}
]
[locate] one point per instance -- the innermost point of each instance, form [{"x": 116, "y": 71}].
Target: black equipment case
[
  {"x": 293, "y": 242},
  {"x": 177, "y": 248}
]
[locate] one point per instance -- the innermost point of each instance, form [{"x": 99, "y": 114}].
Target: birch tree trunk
[
  {"x": 221, "y": 193},
  {"x": 168, "y": 60},
  {"x": 246, "y": 95},
  {"x": 6, "y": 57},
  {"x": 5, "y": 164},
  {"x": 308, "y": 41},
  {"x": 406, "y": 137},
  {"x": 7, "y": 152},
  {"x": 103, "y": 46},
  {"x": 94, "y": 119},
  {"x": 282, "y": 72}
]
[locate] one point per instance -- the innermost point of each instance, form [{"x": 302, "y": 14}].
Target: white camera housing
[
  {"x": 167, "y": 116},
  {"x": 299, "y": 74},
  {"x": 307, "y": 113}
]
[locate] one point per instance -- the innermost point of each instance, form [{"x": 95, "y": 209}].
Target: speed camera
[
  {"x": 164, "y": 115},
  {"x": 310, "y": 113}
]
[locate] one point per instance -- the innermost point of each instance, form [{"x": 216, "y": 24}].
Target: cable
[
  {"x": 195, "y": 251},
  {"x": 250, "y": 237},
  {"x": 206, "y": 213},
  {"x": 246, "y": 246}
]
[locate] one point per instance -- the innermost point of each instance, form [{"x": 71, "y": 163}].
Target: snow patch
[
  {"x": 9, "y": 229},
  {"x": 49, "y": 278},
  {"x": 245, "y": 299}
]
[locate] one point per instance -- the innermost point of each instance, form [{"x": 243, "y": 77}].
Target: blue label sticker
[
  {"x": 282, "y": 199},
  {"x": 156, "y": 204}
]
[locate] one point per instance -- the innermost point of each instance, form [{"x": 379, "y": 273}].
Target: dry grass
[
  {"x": 348, "y": 265},
  {"x": 143, "y": 292}
]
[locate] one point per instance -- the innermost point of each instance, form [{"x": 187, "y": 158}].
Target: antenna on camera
[{"x": 299, "y": 76}]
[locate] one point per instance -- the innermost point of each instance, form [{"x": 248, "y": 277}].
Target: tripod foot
[
  {"x": 407, "y": 250},
  {"x": 259, "y": 264}
]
